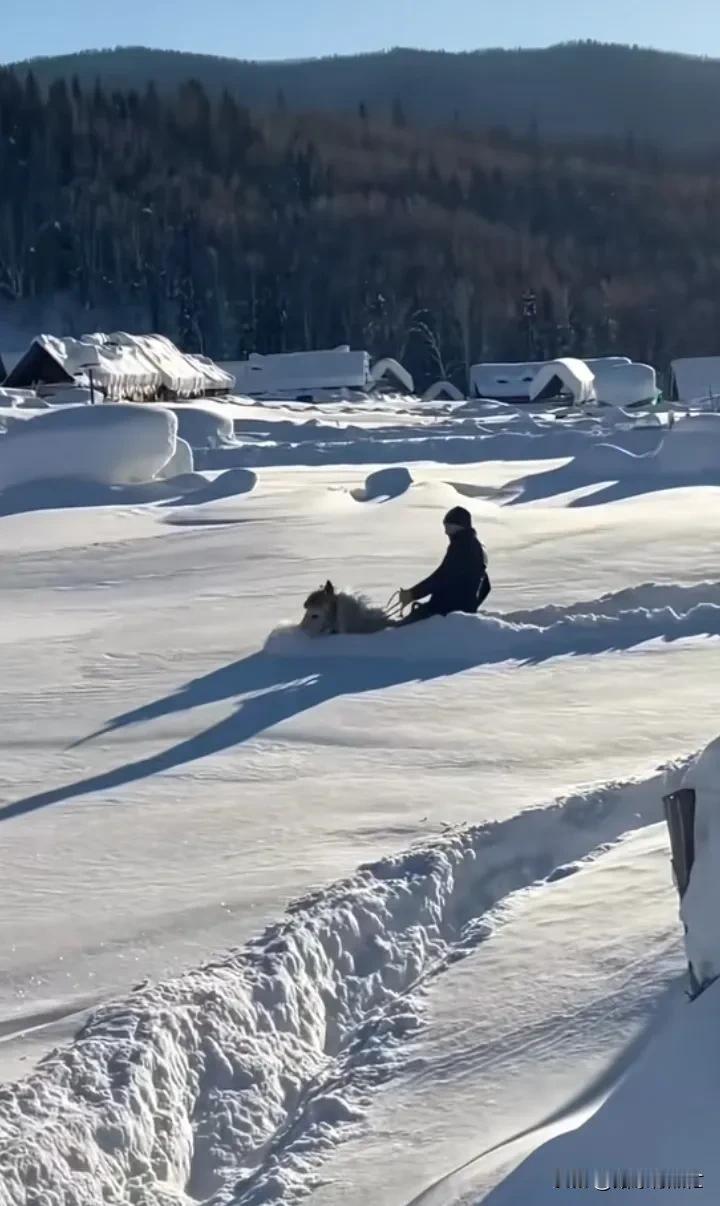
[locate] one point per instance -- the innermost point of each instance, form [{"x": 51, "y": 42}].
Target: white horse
[{"x": 329, "y": 612}]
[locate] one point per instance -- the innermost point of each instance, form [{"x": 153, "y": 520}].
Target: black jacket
[{"x": 460, "y": 583}]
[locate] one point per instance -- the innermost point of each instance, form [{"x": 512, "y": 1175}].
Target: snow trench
[
  {"x": 227, "y": 1084},
  {"x": 620, "y": 621}
]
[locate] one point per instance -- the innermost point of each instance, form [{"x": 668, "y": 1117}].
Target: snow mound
[
  {"x": 471, "y": 640},
  {"x": 648, "y": 595},
  {"x": 118, "y": 444},
  {"x": 204, "y": 424},
  {"x": 384, "y": 484},
  {"x": 10, "y": 416},
  {"x": 181, "y": 462},
  {"x": 230, "y": 1082},
  {"x": 226, "y": 485}
]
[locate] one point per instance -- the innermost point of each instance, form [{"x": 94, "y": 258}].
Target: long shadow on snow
[
  {"x": 273, "y": 689},
  {"x": 270, "y": 689},
  {"x": 612, "y": 474}
]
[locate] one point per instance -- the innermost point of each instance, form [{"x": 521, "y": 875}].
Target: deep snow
[
  {"x": 463, "y": 821},
  {"x": 113, "y": 445}
]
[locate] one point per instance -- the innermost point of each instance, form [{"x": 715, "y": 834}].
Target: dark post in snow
[{"x": 87, "y": 368}]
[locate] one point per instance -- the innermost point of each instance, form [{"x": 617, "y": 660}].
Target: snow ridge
[
  {"x": 521, "y": 636},
  {"x": 225, "y": 1085}
]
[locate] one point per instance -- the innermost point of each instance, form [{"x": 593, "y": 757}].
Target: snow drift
[
  {"x": 180, "y": 463},
  {"x": 472, "y": 640},
  {"x": 119, "y": 444},
  {"x": 384, "y": 484},
  {"x": 204, "y": 424},
  {"x": 662, "y": 1116}
]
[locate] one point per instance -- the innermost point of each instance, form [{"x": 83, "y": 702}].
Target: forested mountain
[
  {"x": 580, "y": 89},
  {"x": 234, "y": 230}
]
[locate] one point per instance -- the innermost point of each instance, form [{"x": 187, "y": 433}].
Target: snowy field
[{"x": 384, "y": 919}]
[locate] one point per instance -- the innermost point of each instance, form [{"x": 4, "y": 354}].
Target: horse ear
[{"x": 329, "y": 588}]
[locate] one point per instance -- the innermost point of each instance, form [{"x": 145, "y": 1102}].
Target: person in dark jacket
[{"x": 460, "y": 583}]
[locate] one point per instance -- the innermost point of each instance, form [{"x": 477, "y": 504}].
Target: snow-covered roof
[
  {"x": 179, "y": 374},
  {"x": 392, "y": 368},
  {"x": 294, "y": 372},
  {"x": 697, "y": 378},
  {"x": 617, "y": 380},
  {"x": 510, "y": 381},
  {"x": 117, "y": 370},
  {"x": 567, "y": 376},
  {"x": 127, "y": 366},
  {"x": 622, "y": 383},
  {"x": 216, "y": 378},
  {"x": 443, "y": 389}
]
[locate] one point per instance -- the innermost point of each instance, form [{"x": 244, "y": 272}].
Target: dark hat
[{"x": 460, "y": 517}]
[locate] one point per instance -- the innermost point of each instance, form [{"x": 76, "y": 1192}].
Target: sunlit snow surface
[{"x": 368, "y": 919}]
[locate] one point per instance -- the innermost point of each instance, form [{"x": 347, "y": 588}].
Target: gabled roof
[
  {"x": 564, "y": 376},
  {"x": 122, "y": 366}
]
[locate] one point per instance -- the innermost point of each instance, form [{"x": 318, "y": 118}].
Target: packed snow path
[
  {"x": 230, "y": 1082},
  {"x": 172, "y": 779}
]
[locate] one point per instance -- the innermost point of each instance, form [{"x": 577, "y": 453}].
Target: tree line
[
  {"x": 577, "y": 89},
  {"x": 233, "y": 230}
]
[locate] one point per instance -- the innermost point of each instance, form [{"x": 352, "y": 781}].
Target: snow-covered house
[
  {"x": 695, "y": 379},
  {"x": 567, "y": 378},
  {"x": 134, "y": 367},
  {"x": 303, "y": 375},
  {"x": 609, "y": 380},
  {"x": 505, "y": 382},
  {"x": 620, "y": 382}
]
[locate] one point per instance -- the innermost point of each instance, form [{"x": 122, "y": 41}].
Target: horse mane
[{"x": 357, "y": 614}]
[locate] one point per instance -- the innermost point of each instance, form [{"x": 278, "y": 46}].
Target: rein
[{"x": 394, "y": 609}]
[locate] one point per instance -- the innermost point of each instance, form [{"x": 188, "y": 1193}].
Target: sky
[{"x": 278, "y": 29}]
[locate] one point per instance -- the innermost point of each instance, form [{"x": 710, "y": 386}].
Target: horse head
[{"x": 320, "y": 611}]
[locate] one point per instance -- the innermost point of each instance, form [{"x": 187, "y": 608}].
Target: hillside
[
  {"x": 233, "y": 230},
  {"x": 572, "y": 90}
]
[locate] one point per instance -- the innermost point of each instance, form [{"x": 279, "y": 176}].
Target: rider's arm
[{"x": 428, "y": 586}]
